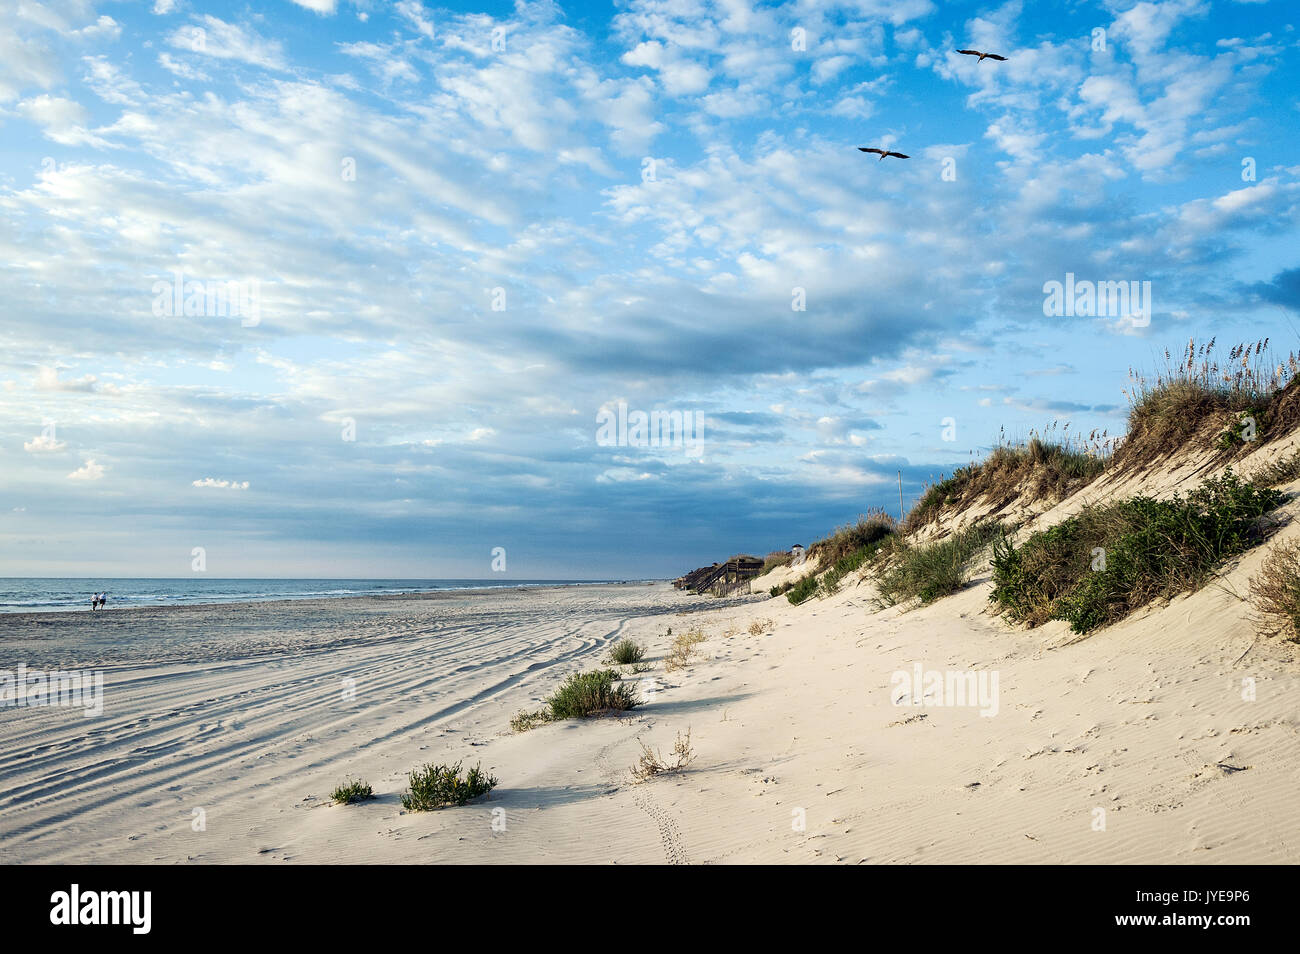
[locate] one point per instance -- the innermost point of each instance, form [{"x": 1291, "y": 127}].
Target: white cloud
[
  {"x": 413, "y": 12},
  {"x": 222, "y": 484},
  {"x": 61, "y": 120},
  {"x": 209, "y": 36},
  {"x": 47, "y": 379},
  {"x": 90, "y": 470},
  {"x": 44, "y": 444}
]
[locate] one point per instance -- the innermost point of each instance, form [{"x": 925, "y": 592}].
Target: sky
[{"x": 424, "y": 251}]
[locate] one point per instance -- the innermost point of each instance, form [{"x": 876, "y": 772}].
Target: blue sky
[{"x": 469, "y": 228}]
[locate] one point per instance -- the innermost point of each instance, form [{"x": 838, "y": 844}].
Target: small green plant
[
  {"x": 1245, "y": 428},
  {"x": 625, "y": 652},
  {"x": 352, "y": 790},
  {"x": 435, "y": 786},
  {"x": 592, "y": 693},
  {"x": 524, "y": 721}
]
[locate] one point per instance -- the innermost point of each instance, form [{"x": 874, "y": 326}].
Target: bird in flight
[
  {"x": 982, "y": 56},
  {"x": 883, "y": 153}
]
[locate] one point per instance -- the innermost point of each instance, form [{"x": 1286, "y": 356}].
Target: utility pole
[{"x": 900, "y": 496}]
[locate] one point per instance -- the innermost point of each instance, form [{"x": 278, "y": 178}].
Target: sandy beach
[{"x": 225, "y": 728}]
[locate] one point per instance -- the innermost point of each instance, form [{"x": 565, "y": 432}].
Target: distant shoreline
[{"x": 17, "y": 612}]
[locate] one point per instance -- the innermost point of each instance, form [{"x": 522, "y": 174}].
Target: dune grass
[
  {"x": 874, "y": 525},
  {"x": 352, "y": 790},
  {"x": 802, "y": 589},
  {"x": 435, "y": 786},
  {"x": 929, "y": 571},
  {"x": 850, "y": 563},
  {"x": 625, "y": 652},
  {"x": 1106, "y": 561},
  {"x": 1049, "y": 466},
  {"x": 683, "y": 651},
  {"x": 774, "y": 559},
  {"x": 592, "y": 693},
  {"x": 1275, "y": 591},
  {"x": 1168, "y": 409}
]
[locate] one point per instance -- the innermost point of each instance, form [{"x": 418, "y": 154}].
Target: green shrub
[
  {"x": 591, "y": 693},
  {"x": 352, "y": 790},
  {"x": 803, "y": 589},
  {"x": 625, "y": 652},
  {"x": 1100, "y": 565},
  {"x": 434, "y": 786},
  {"x": 932, "y": 570}
]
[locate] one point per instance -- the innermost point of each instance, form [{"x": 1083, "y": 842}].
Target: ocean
[{"x": 52, "y": 594}]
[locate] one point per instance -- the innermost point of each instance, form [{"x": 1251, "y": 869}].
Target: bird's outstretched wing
[
  {"x": 898, "y": 154},
  {"x": 970, "y": 52},
  {"x": 994, "y": 56},
  {"x": 865, "y": 149}
]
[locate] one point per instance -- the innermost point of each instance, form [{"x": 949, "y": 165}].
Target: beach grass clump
[
  {"x": 1277, "y": 472},
  {"x": 852, "y": 562},
  {"x": 1100, "y": 565},
  {"x": 352, "y": 790},
  {"x": 929, "y": 571},
  {"x": 523, "y": 721},
  {"x": 683, "y": 651},
  {"x": 436, "y": 786},
  {"x": 625, "y": 652},
  {"x": 774, "y": 559},
  {"x": 760, "y": 626},
  {"x": 653, "y": 763},
  {"x": 870, "y": 527},
  {"x": 586, "y": 694},
  {"x": 1275, "y": 591},
  {"x": 1049, "y": 466},
  {"x": 1251, "y": 393},
  {"x": 781, "y": 588},
  {"x": 802, "y": 589}
]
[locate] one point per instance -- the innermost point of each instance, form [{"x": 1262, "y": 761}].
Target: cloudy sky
[{"x": 461, "y": 231}]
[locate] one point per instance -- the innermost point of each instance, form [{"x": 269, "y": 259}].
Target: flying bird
[
  {"x": 982, "y": 56},
  {"x": 883, "y": 153}
]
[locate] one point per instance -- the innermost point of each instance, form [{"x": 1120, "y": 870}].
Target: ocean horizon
[{"x": 55, "y": 594}]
